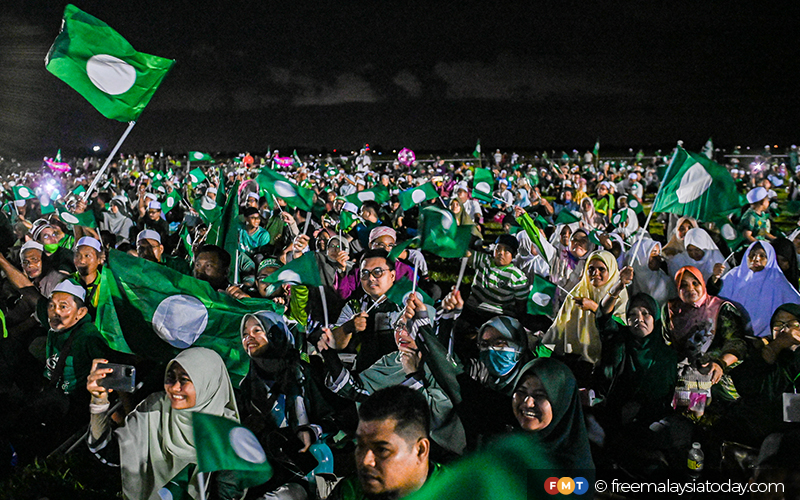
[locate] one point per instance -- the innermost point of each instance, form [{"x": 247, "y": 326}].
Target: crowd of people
[{"x": 580, "y": 339}]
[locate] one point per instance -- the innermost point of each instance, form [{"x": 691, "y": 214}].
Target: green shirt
[
  {"x": 757, "y": 224},
  {"x": 349, "y": 488}
]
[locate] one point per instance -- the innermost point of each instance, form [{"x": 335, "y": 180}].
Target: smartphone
[{"x": 123, "y": 378}]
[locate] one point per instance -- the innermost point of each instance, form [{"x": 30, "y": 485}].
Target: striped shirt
[{"x": 497, "y": 288}]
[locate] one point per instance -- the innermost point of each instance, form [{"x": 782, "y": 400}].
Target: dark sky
[{"x": 425, "y": 75}]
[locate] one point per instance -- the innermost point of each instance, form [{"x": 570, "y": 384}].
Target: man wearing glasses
[{"x": 366, "y": 322}]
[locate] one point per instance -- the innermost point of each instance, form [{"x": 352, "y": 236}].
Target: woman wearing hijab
[
  {"x": 786, "y": 255},
  {"x": 700, "y": 252},
  {"x": 574, "y": 330},
  {"x": 156, "y": 442},
  {"x": 675, "y": 244},
  {"x": 649, "y": 276},
  {"x": 707, "y": 333},
  {"x": 590, "y": 218},
  {"x": 547, "y": 407},
  {"x": 759, "y": 286},
  {"x": 567, "y": 267}
]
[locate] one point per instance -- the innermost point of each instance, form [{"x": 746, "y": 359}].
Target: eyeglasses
[
  {"x": 790, "y": 325},
  {"x": 538, "y": 397},
  {"x": 376, "y": 273},
  {"x": 335, "y": 246},
  {"x": 383, "y": 246},
  {"x": 498, "y": 343}
]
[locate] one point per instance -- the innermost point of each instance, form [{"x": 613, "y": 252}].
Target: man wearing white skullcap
[{"x": 88, "y": 258}]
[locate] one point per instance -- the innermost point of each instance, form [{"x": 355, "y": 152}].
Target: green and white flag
[
  {"x": 596, "y": 150},
  {"x": 619, "y": 218},
  {"x": 414, "y": 196},
  {"x": 278, "y": 185},
  {"x": 401, "y": 290},
  {"x": 697, "y": 187},
  {"x": 85, "y": 219},
  {"x": 79, "y": 190},
  {"x": 348, "y": 217},
  {"x": 197, "y": 176},
  {"x": 225, "y": 231},
  {"x": 46, "y": 205},
  {"x": 635, "y": 205},
  {"x": 23, "y": 193},
  {"x": 224, "y": 444},
  {"x": 200, "y": 156},
  {"x": 103, "y": 67},
  {"x": 546, "y": 250},
  {"x": 440, "y": 235},
  {"x": 208, "y": 215},
  {"x": 300, "y": 271},
  {"x": 708, "y": 149},
  {"x": 477, "y": 152},
  {"x": 172, "y": 200},
  {"x": 540, "y": 300},
  {"x": 639, "y": 156},
  {"x": 296, "y": 158},
  {"x": 151, "y": 310},
  {"x": 730, "y": 233},
  {"x": 378, "y": 194},
  {"x": 483, "y": 185}
]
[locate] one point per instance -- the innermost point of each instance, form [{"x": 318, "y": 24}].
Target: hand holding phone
[{"x": 122, "y": 378}]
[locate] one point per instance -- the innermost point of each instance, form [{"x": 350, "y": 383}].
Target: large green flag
[
  {"x": 224, "y": 444},
  {"x": 378, "y": 194},
  {"x": 199, "y": 156},
  {"x": 225, "y": 231},
  {"x": 697, "y": 187},
  {"x": 439, "y": 233},
  {"x": 417, "y": 195},
  {"x": 103, "y": 67},
  {"x": 197, "y": 176},
  {"x": 149, "y": 309},
  {"x": 300, "y": 271},
  {"x": 540, "y": 300},
  {"x": 483, "y": 185},
  {"x": 278, "y": 185}
]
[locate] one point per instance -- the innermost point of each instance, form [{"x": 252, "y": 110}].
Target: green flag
[
  {"x": 400, "y": 248},
  {"x": 535, "y": 234},
  {"x": 567, "y": 217},
  {"x": 477, "y": 152},
  {"x": 225, "y": 230},
  {"x": 224, "y": 444},
  {"x": 348, "y": 217},
  {"x": 639, "y": 156},
  {"x": 378, "y": 194},
  {"x": 440, "y": 235},
  {"x": 103, "y": 67},
  {"x": 46, "y": 205},
  {"x": 23, "y": 193},
  {"x": 697, "y": 187},
  {"x": 200, "y": 156},
  {"x": 596, "y": 151},
  {"x": 483, "y": 185},
  {"x": 196, "y": 176},
  {"x": 79, "y": 190},
  {"x": 209, "y": 215},
  {"x": 149, "y": 309},
  {"x": 619, "y": 218},
  {"x": 417, "y": 195},
  {"x": 635, "y": 205},
  {"x": 540, "y": 300},
  {"x": 708, "y": 149},
  {"x": 730, "y": 233},
  {"x": 85, "y": 219},
  {"x": 173, "y": 199},
  {"x": 278, "y": 185},
  {"x": 300, "y": 271},
  {"x": 296, "y": 158},
  {"x": 401, "y": 290}
]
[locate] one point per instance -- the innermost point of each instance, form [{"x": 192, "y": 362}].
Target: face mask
[
  {"x": 500, "y": 361},
  {"x": 51, "y": 247}
]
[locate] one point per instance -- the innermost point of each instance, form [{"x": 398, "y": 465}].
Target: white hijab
[
  {"x": 654, "y": 283},
  {"x": 699, "y": 238},
  {"x": 760, "y": 293}
]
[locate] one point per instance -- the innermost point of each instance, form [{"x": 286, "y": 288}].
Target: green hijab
[
  {"x": 157, "y": 441},
  {"x": 564, "y": 441}
]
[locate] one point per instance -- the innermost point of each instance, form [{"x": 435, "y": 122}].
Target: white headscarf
[
  {"x": 760, "y": 293},
  {"x": 654, "y": 283},
  {"x": 529, "y": 263},
  {"x": 699, "y": 238},
  {"x": 157, "y": 441}
]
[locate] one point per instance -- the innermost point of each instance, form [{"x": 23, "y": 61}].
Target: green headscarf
[
  {"x": 564, "y": 441},
  {"x": 157, "y": 441}
]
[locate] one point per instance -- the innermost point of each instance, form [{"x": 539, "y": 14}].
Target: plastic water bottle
[{"x": 696, "y": 459}]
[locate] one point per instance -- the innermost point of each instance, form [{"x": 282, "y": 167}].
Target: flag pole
[
  {"x": 461, "y": 272},
  {"x": 201, "y": 484},
  {"x": 655, "y": 201},
  {"x": 568, "y": 292},
  {"x": 324, "y": 305},
  {"x": 308, "y": 222},
  {"x": 108, "y": 160},
  {"x": 414, "y": 281},
  {"x": 276, "y": 203}
]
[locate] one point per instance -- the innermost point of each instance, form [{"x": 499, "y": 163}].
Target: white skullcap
[
  {"x": 154, "y": 205},
  {"x": 252, "y": 195},
  {"x": 28, "y": 245},
  {"x": 211, "y": 190},
  {"x": 757, "y": 194},
  {"x": 88, "y": 241},
  {"x": 149, "y": 234},
  {"x": 71, "y": 288},
  {"x": 19, "y": 203}
]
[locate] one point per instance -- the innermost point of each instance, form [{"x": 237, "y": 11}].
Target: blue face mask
[{"x": 500, "y": 361}]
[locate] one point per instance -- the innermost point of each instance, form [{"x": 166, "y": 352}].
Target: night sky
[{"x": 424, "y": 75}]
